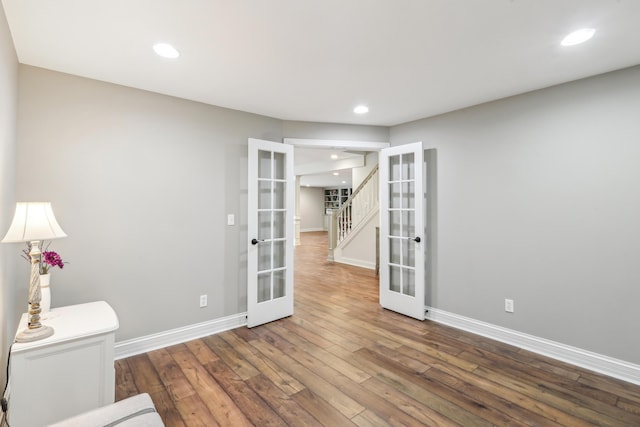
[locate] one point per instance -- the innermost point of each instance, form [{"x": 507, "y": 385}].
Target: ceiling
[
  {"x": 330, "y": 169},
  {"x": 316, "y": 60}
]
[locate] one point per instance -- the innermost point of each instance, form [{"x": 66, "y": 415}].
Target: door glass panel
[
  {"x": 264, "y": 194},
  {"x": 264, "y": 287},
  {"x": 264, "y": 225},
  {"x": 264, "y": 164},
  {"x": 408, "y": 252},
  {"x": 394, "y": 279},
  {"x": 395, "y": 226},
  {"x": 395, "y": 200},
  {"x": 394, "y": 168},
  {"x": 408, "y": 196},
  {"x": 279, "y": 225},
  {"x": 279, "y": 253},
  {"x": 279, "y": 195},
  {"x": 279, "y": 283},
  {"x": 279, "y": 165},
  {"x": 408, "y": 162},
  {"x": 408, "y": 224},
  {"x": 408, "y": 282},
  {"x": 394, "y": 251},
  {"x": 264, "y": 256}
]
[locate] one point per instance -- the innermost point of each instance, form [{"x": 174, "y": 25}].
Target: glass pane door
[
  {"x": 402, "y": 284},
  {"x": 270, "y": 216}
]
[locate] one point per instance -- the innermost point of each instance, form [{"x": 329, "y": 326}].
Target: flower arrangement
[{"x": 49, "y": 259}]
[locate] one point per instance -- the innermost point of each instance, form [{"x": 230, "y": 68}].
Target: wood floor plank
[
  {"x": 343, "y": 327},
  {"x": 219, "y": 403},
  {"x": 287, "y": 407},
  {"x": 125, "y": 384},
  {"x": 321, "y": 410},
  {"x": 254, "y": 408},
  {"x": 491, "y": 407},
  {"x": 341, "y": 365},
  {"x": 312, "y": 381},
  {"x": 347, "y": 385},
  {"x": 322, "y": 337},
  {"x": 424, "y": 414},
  {"x": 147, "y": 380},
  {"x": 611, "y": 385},
  {"x": 185, "y": 398},
  {"x": 414, "y": 384},
  {"x": 201, "y": 351},
  {"x": 424, "y": 348},
  {"x": 230, "y": 356},
  {"x": 527, "y": 411},
  {"x": 342, "y": 360},
  {"x": 566, "y": 398},
  {"x": 280, "y": 378},
  {"x": 556, "y": 409},
  {"x": 524, "y": 370}
]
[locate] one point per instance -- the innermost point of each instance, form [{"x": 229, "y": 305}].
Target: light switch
[{"x": 231, "y": 219}]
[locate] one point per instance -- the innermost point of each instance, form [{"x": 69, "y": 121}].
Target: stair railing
[{"x": 353, "y": 210}]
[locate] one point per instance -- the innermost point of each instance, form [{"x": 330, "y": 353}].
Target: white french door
[
  {"x": 402, "y": 229},
  {"x": 271, "y": 197}
]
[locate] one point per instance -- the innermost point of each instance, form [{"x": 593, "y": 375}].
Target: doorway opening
[{"x": 328, "y": 171}]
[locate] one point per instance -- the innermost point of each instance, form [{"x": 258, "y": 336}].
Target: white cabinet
[{"x": 68, "y": 373}]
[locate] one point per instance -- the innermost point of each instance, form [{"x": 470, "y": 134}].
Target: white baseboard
[
  {"x": 616, "y": 368},
  {"x": 356, "y": 262},
  {"x": 179, "y": 335},
  {"x": 307, "y": 230}
]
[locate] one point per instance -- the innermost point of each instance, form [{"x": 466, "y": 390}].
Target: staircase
[{"x": 354, "y": 218}]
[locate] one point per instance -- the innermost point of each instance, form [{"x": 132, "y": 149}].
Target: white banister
[{"x": 354, "y": 209}]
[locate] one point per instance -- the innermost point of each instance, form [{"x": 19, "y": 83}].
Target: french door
[
  {"x": 271, "y": 198},
  {"x": 402, "y": 229}
]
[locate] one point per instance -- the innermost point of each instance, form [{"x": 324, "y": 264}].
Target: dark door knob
[
  {"x": 256, "y": 241},
  {"x": 417, "y": 239}
]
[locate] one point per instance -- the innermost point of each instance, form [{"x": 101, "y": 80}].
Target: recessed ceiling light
[
  {"x": 336, "y": 174},
  {"x": 579, "y": 36},
  {"x": 334, "y": 156},
  {"x": 344, "y": 182},
  {"x": 361, "y": 109},
  {"x": 166, "y": 50}
]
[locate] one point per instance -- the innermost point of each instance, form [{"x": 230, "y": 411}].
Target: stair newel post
[{"x": 333, "y": 234}]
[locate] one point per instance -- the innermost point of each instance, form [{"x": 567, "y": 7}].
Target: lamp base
[{"x": 28, "y": 335}]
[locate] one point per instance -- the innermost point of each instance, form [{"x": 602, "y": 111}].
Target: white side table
[{"x": 68, "y": 373}]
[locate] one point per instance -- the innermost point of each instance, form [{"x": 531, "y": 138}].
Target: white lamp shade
[{"x": 33, "y": 221}]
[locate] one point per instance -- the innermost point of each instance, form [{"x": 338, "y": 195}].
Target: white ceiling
[
  {"x": 315, "y": 60},
  {"x": 320, "y": 159}
]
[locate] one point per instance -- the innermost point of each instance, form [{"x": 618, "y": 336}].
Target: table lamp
[{"x": 34, "y": 222}]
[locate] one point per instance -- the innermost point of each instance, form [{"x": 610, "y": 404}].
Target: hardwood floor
[{"x": 342, "y": 360}]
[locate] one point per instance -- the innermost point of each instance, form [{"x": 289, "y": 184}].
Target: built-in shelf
[{"x": 334, "y": 198}]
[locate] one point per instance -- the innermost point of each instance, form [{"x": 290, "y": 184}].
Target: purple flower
[{"x": 51, "y": 259}]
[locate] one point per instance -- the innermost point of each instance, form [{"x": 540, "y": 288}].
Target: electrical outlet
[
  {"x": 508, "y": 305},
  {"x": 203, "y": 301},
  {"x": 231, "y": 219}
]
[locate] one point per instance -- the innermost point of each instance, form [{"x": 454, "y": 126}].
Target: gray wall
[
  {"x": 311, "y": 209},
  {"x": 309, "y": 130},
  {"x": 8, "y": 252},
  {"x": 142, "y": 184},
  {"x": 538, "y": 201}
]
